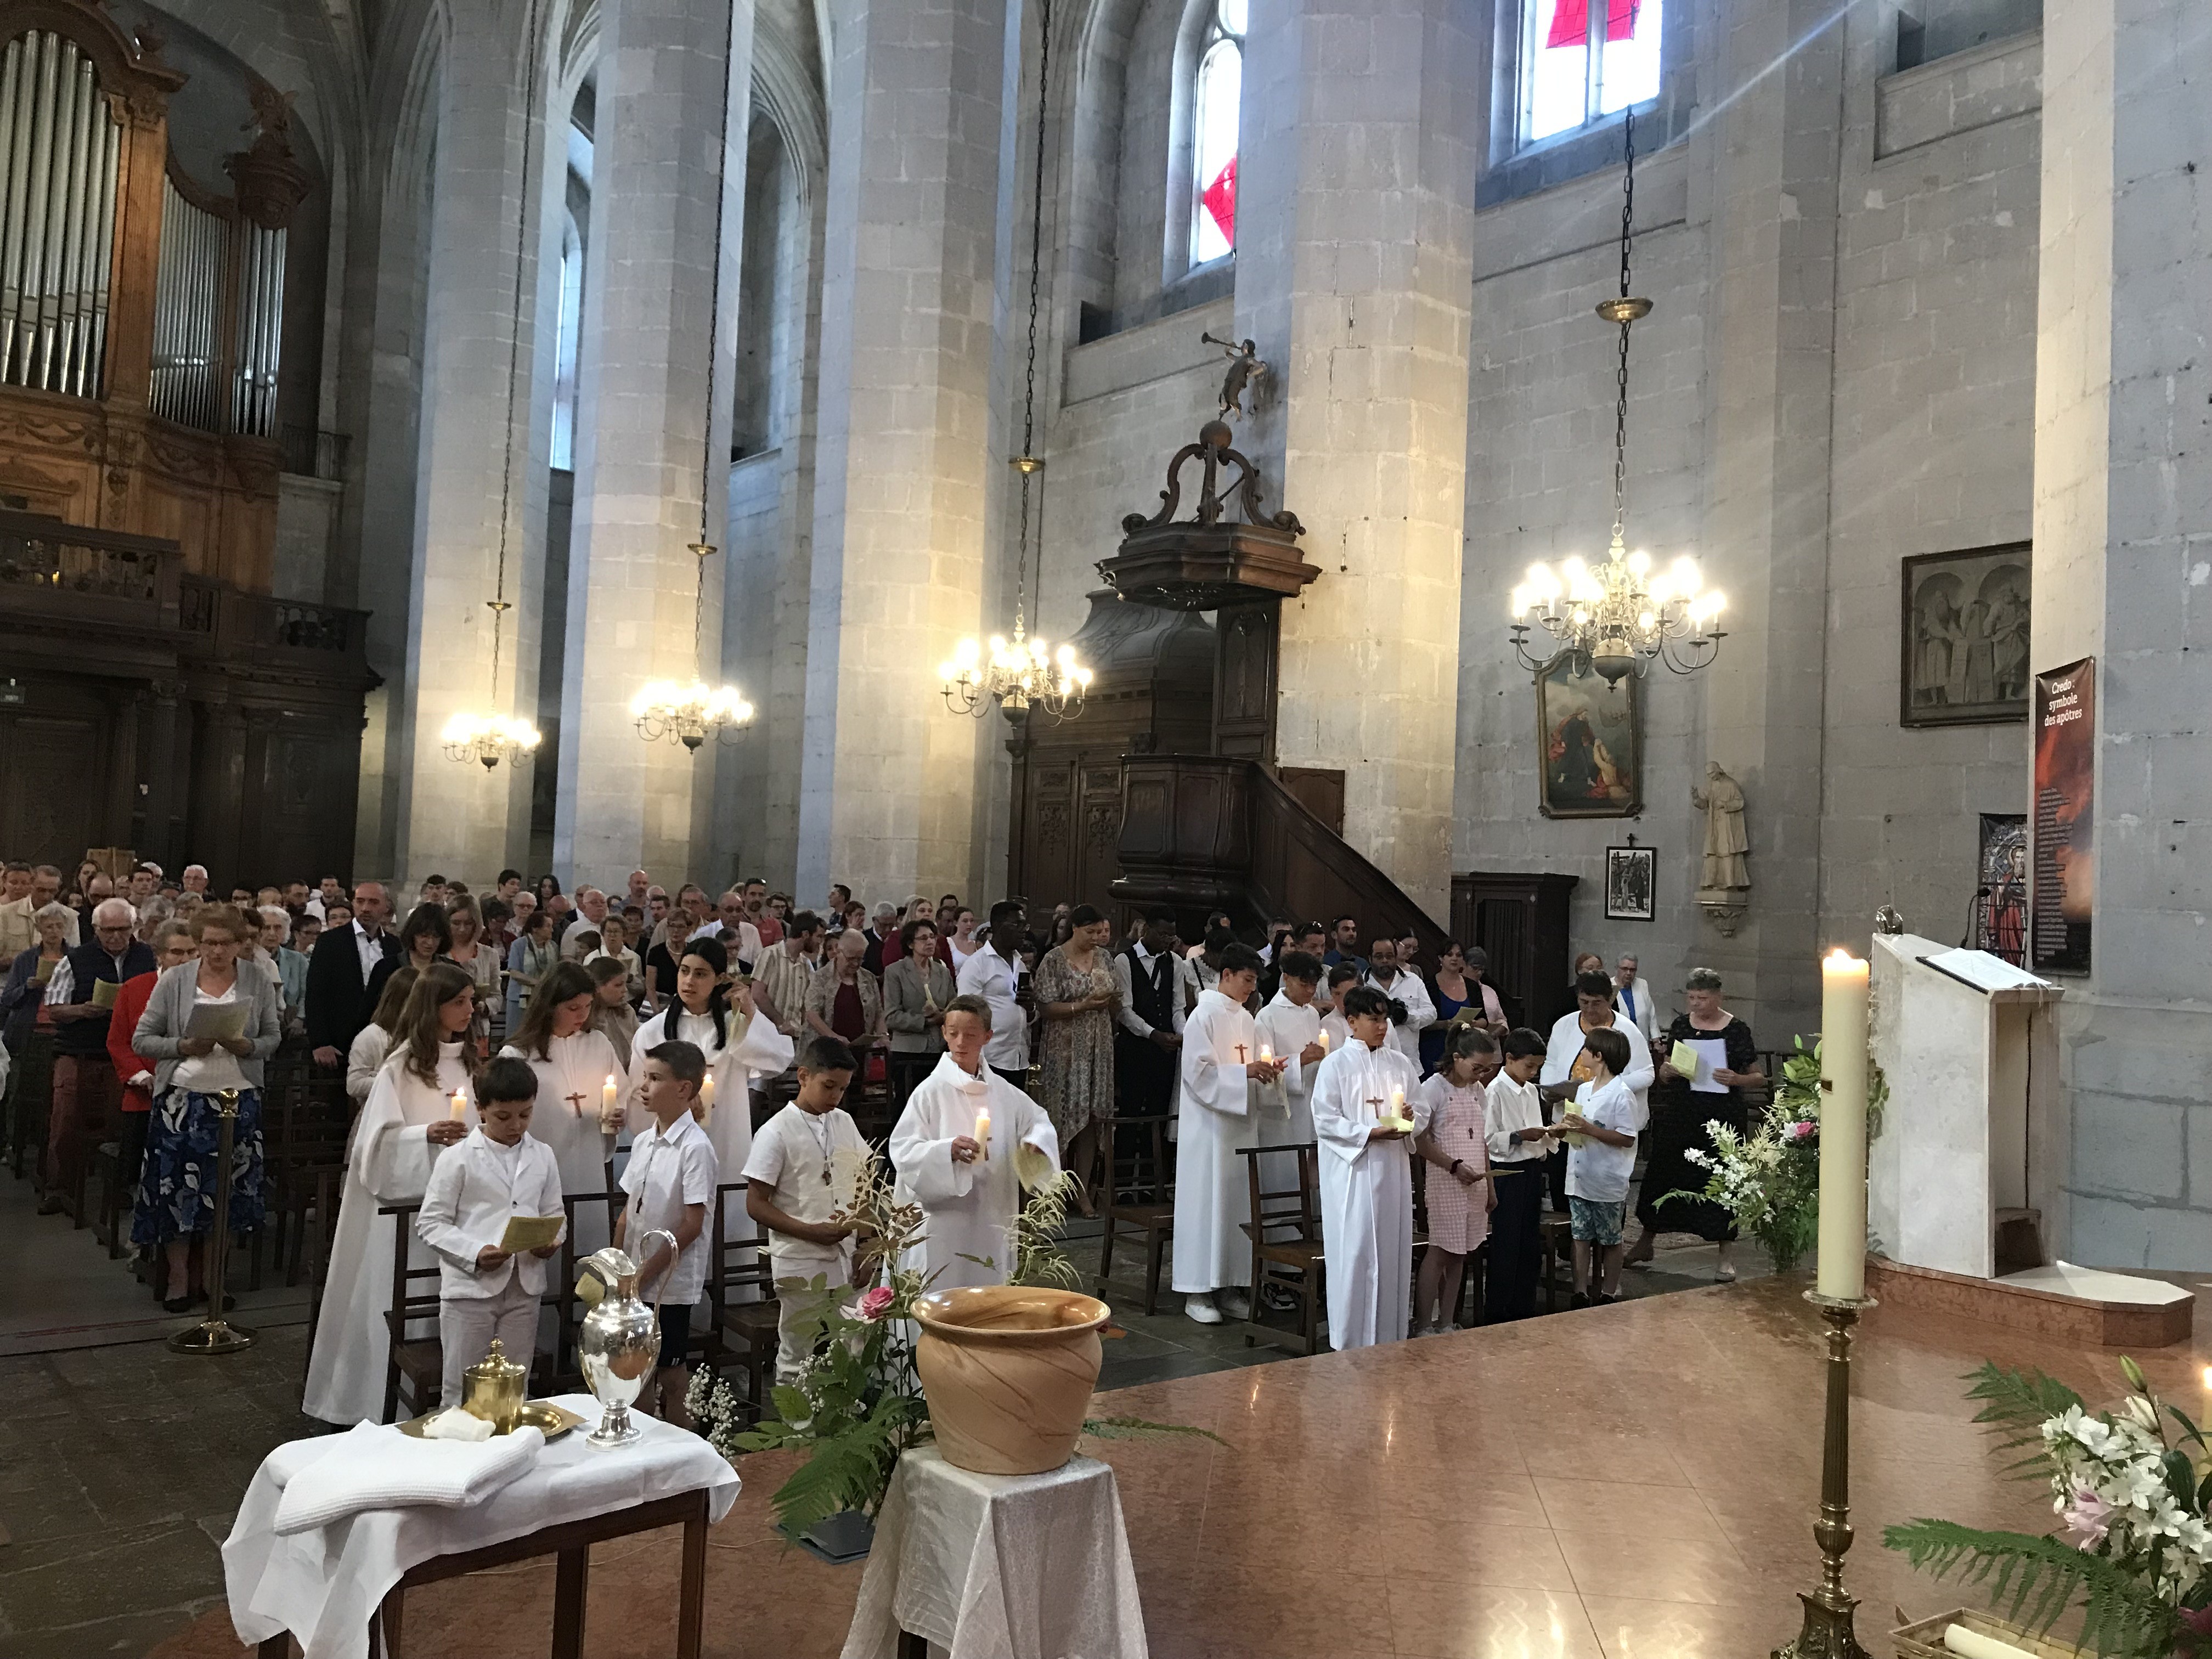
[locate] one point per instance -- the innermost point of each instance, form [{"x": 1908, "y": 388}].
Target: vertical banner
[{"x": 2064, "y": 893}]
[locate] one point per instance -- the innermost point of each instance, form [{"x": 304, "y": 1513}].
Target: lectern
[{"x": 1973, "y": 1142}]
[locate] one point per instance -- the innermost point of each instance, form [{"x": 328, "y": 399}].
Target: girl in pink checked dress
[{"x": 1448, "y": 1116}]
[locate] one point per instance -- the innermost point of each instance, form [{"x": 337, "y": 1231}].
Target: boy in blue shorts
[{"x": 1600, "y": 1164}]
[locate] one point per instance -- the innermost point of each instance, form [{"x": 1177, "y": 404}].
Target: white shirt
[
  {"x": 371, "y": 946},
  {"x": 472, "y": 1192},
  {"x": 1126, "y": 1016},
  {"x": 991, "y": 977},
  {"x": 748, "y": 941},
  {"x": 1512, "y": 1106},
  {"x": 669, "y": 1172},
  {"x": 1595, "y": 1172},
  {"x": 1421, "y": 1012},
  {"x": 1566, "y": 1043},
  {"x": 216, "y": 1069},
  {"x": 797, "y": 1152}
]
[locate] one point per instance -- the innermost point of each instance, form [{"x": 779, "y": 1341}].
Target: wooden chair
[
  {"x": 1557, "y": 1272},
  {"x": 420, "y": 1364},
  {"x": 1286, "y": 1242},
  {"x": 1139, "y": 1196},
  {"x": 304, "y": 1120},
  {"x": 743, "y": 1334},
  {"x": 31, "y": 1102},
  {"x": 107, "y": 1168},
  {"x": 330, "y": 1184}
]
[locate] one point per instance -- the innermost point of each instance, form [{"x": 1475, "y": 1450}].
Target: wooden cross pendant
[
  {"x": 1240, "y": 1053},
  {"x": 1379, "y": 1104},
  {"x": 576, "y": 1103}
]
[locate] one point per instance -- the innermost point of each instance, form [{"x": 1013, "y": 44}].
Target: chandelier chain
[
  {"x": 1036, "y": 281},
  {"x": 715, "y": 334},
  {"x": 530, "y": 47},
  {"x": 1620, "y": 372}
]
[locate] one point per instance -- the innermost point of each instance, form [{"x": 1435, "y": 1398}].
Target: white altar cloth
[
  {"x": 1000, "y": 1566},
  {"x": 322, "y": 1585}
]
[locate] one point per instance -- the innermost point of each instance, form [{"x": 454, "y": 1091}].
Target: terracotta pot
[{"x": 1008, "y": 1370}]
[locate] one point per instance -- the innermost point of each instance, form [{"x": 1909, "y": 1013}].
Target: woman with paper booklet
[
  {"x": 1707, "y": 1066},
  {"x": 209, "y": 1029}
]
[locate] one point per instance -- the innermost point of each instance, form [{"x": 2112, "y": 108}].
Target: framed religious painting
[
  {"x": 1963, "y": 638},
  {"x": 1590, "y": 736},
  {"x": 1631, "y": 873}
]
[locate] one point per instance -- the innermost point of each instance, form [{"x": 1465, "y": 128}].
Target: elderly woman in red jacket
[{"x": 172, "y": 942}]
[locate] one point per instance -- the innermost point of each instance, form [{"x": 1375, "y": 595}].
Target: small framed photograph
[{"x": 1630, "y": 874}]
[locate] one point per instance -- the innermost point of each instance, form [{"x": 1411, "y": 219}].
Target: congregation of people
[{"x": 506, "y": 1051}]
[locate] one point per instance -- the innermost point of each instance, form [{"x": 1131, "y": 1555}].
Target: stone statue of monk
[{"x": 1728, "y": 871}]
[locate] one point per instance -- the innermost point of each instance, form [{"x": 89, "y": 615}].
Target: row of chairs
[{"x": 740, "y": 1336}]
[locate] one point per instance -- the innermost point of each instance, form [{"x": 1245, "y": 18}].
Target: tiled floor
[{"x": 1627, "y": 1483}]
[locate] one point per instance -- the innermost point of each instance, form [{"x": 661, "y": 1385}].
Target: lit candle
[
  {"x": 608, "y": 1096},
  {"x": 1843, "y": 1126},
  {"x": 1397, "y": 1103},
  {"x": 707, "y": 1097},
  {"x": 983, "y": 1132},
  {"x": 460, "y": 1105},
  {"x": 1267, "y": 1054},
  {"x": 1322, "y": 1039}
]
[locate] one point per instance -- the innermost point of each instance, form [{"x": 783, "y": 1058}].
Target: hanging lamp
[
  {"x": 1023, "y": 673},
  {"x": 1617, "y": 617}
]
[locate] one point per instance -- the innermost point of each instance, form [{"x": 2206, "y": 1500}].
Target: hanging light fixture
[
  {"x": 669, "y": 709},
  {"x": 1023, "y": 673},
  {"x": 486, "y": 735},
  {"x": 1617, "y": 618}
]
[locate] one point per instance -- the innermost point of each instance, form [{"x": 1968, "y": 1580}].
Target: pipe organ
[{"x": 142, "y": 309}]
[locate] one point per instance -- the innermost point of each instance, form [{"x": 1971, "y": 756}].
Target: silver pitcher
[{"x": 620, "y": 1339}]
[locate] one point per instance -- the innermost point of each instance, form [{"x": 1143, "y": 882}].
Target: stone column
[
  {"x": 672, "y": 96},
  {"x": 2122, "y": 545},
  {"x": 454, "y": 816},
  {"x": 1355, "y": 223},
  {"x": 903, "y": 459},
  {"x": 1771, "y": 314}
]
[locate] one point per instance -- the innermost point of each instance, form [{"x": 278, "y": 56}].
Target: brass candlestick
[
  {"x": 215, "y": 1333},
  {"x": 1827, "y": 1632}
]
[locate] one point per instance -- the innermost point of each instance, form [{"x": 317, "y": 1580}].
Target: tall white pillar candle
[{"x": 1843, "y": 1126}]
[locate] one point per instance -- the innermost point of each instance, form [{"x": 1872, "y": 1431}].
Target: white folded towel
[
  {"x": 376, "y": 1467},
  {"x": 458, "y": 1424}
]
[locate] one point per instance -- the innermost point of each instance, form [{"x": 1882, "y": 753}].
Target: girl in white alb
[
  {"x": 409, "y": 1119},
  {"x": 574, "y": 1066}
]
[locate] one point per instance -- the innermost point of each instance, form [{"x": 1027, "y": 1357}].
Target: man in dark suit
[{"x": 338, "y": 1004}]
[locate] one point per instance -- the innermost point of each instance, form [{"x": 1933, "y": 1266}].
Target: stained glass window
[
  {"x": 1218, "y": 100},
  {"x": 1563, "y": 83}
]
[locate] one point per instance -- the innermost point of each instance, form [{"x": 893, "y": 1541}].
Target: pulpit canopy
[{"x": 1210, "y": 559}]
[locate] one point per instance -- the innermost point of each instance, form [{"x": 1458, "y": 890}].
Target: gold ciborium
[{"x": 495, "y": 1388}]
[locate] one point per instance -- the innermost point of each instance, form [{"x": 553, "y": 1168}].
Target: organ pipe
[{"x": 60, "y": 146}]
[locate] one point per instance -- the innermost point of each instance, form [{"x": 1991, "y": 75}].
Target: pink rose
[
  {"x": 875, "y": 1303},
  {"x": 1803, "y": 1129}
]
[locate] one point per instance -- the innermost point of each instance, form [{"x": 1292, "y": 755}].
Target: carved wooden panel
[{"x": 52, "y": 807}]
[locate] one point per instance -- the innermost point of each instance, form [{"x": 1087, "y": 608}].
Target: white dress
[
  {"x": 1286, "y": 1105},
  {"x": 389, "y": 1163},
  {"x": 1366, "y": 1194},
  {"x": 970, "y": 1206},
  {"x": 572, "y": 1083},
  {"x": 1212, "y": 1198},
  {"x": 754, "y": 1046}
]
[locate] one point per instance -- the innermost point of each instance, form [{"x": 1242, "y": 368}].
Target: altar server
[
  {"x": 1221, "y": 1064},
  {"x": 420, "y": 1105},
  {"x": 579, "y": 1076},
  {"x": 499, "y": 1173},
  {"x": 670, "y": 1182},
  {"x": 955, "y": 1152},
  {"x": 1335, "y": 1031},
  {"x": 1366, "y": 1179},
  {"x": 794, "y": 1188},
  {"x": 736, "y": 1039},
  {"x": 1290, "y": 1031}
]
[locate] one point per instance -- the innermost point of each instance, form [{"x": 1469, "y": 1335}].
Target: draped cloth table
[
  {"x": 324, "y": 1585},
  {"x": 999, "y": 1566}
]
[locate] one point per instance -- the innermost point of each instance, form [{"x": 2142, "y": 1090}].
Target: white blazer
[
  {"x": 473, "y": 1189},
  {"x": 1646, "y": 1017}
]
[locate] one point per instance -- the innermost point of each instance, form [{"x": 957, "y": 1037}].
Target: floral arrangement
[
  {"x": 859, "y": 1405},
  {"x": 1768, "y": 1178},
  {"x": 2130, "y": 1488}
]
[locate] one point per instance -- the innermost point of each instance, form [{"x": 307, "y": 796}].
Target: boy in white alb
[
  {"x": 498, "y": 1173},
  {"x": 793, "y": 1191},
  {"x": 670, "y": 1181},
  {"x": 1212, "y": 1200},
  {"x": 1598, "y": 1167}
]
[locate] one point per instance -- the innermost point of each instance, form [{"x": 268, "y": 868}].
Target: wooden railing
[{"x": 1202, "y": 832}]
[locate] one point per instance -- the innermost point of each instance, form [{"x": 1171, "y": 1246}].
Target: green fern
[
  {"x": 2015, "y": 1406},
  {"x": 2034, "y": 1580}
]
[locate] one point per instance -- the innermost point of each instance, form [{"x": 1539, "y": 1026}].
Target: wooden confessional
[
  {"x": 153, "y": 695},
  {"x": 1165, "y": 791}
]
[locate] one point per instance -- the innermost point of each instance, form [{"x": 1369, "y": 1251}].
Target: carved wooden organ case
[{"x": 141, "y": 310}]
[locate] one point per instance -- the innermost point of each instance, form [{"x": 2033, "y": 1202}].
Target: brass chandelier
[
  {"x": 1023, "y": 673},
  {"x": 1619, "y": 616}
]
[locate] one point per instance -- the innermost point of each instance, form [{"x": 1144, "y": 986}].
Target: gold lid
[{"x": 495, "y": 1367}]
